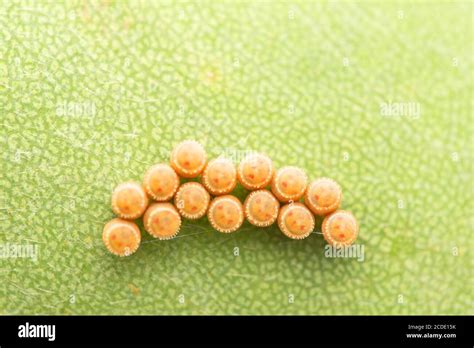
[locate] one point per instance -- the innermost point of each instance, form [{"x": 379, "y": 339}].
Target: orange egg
[
  {"x": 323, "y": 196},
  {"x": 255, "y": 171},
  {"x": 289, "y": 184},
  {"x": 162, "y": 221},
  {"x": 261, "y": 208},
  {"x": 226, "y": 213},
  {"x": 129, "y": 200},
  {"x": 161, "y": 182},
  {"x": 121, "y": 237},
  {"x": 192, "y": 200},
  {"x": 296, "y": 221},
  {"x": 340, "y": 228},
  {"x": 188, "y": 159},
  {"x": 220, "y": 176}
]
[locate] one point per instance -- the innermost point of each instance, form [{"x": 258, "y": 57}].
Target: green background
[{"x": 303, "y": 82}]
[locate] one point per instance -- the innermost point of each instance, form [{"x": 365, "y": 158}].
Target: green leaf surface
[{"x": 93, "y": 93}]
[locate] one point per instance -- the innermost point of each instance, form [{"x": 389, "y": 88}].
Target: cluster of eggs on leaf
[{"x": 162, "y": 200}]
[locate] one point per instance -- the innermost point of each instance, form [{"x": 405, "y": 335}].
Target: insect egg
[
  {"x": 161, "y": 182},
  {"x": 162, "y": 221},
  {"x": 340, "y": 228},
  {"x": 296, "y": 221},
  {"x": 323, "y": 196},
  {"x": 255, "y": 171},
  {"x": 121, "y": 237},
  {"x": 226, "y": 213},
  {"x": 188, "y": 159},
  {"x": 261, "y": 208},
  {"x": 289, "y": 184},
  {"x": 192, "y": 200},
  {"x": 129, "y": 200},
  {"x": 220, "y": 176}
]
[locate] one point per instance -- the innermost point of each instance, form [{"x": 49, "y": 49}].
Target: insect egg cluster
[{"x": 283, "y": 196}]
